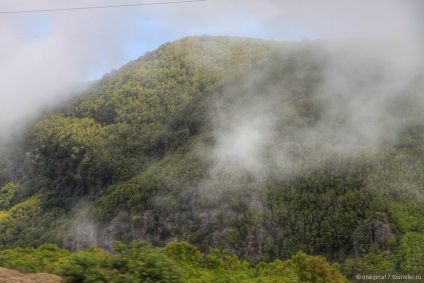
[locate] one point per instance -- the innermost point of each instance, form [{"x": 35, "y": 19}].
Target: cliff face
[{"x": 205, "y": 228}]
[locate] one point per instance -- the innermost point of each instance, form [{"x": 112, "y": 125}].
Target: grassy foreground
[{"x": 178, "y": 262}]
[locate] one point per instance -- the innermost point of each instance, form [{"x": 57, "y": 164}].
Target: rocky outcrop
[
  {"x": 206, "y": 229},
  {"x": 369, "y": 234},
  {"x": 117, "y": 230},
  {"x": 85, "y": 235}
]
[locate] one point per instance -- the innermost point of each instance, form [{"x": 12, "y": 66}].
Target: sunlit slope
[
  {"x": 123, "y": 120},
  {"x": 257, "y": 147},
  {"x": 113, "y": 132}
]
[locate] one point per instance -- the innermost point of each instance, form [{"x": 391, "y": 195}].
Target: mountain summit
[{"x": 258, "y": 147}]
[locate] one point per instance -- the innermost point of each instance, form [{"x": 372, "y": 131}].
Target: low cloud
[
  {"x": 364, "y": 92},
  {"x": 42, "y": 54}
]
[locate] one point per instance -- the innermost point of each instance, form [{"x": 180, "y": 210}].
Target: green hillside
[{"x": 254, "y": 147}]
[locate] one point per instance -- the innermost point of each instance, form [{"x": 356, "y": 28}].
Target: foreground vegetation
[{"x": 178, "y": 262}]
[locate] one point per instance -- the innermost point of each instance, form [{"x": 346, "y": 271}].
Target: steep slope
[
  {"x": 129, "y": 108},
  {"x": 113, "y": 132},
  {"x": 256, "y": 147}
]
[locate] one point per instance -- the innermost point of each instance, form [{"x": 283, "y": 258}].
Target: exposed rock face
[
  {"x": 117, "y": 230},
  {"x": 160, "y": 228},
  {"x": 369, "y": 234},
  {"x": 85, "y": 235}
]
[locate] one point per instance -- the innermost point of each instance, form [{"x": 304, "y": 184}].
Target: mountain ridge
[{"x": 243, "y": 144}]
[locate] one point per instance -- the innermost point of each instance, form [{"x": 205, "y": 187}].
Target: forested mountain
[{"x": 259, "y": 148}]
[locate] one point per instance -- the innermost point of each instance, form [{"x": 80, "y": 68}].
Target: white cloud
[{"x": 41, "y": 52}]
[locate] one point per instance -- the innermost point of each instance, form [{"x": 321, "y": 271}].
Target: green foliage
[
  {"x": 87, "y": 266},
  {"x": 6, "y": 194},
  {"x": 17, "y": 226},
  {"x": 33, "y": 260},
  {"x": 135, "y": 263},
  {"x": 140, "y": 263},
  {"x": 371, "y": 262},
  {"x": 184, "y": 253},
  {"x": 313, "y": 269},
  {"x": 337, "y": 203},
  {"x": 223, "y": 267},
  {"x": 140, "y": 145},
  {"x": 408, "y": 216},
  {"x": 412, "y": 252},
  {"x": 389, "y": 256},
  {"x": 179, "y": 262},
  {"x": 60, "y": 146}
]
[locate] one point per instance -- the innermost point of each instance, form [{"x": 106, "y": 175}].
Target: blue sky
[
  {"x": 42, "y": 52},
  {"x": 123, "y": 34}
]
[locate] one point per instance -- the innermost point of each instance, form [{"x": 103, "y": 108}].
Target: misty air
[{"x": 211, "y": 141}]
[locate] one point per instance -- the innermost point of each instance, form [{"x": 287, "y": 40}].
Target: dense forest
[{"x": 262, "y": 155}]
